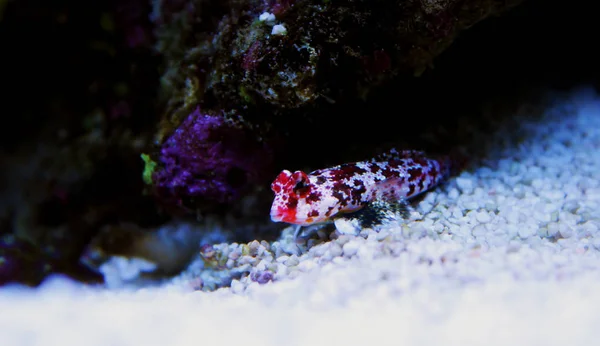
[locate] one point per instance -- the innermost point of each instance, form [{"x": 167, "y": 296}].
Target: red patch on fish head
[
  {"x": 280, "y": 182},
  {"x": 288, "y": 183}
]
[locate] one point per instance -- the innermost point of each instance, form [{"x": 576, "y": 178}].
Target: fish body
[{"x": 315, "y": 198}]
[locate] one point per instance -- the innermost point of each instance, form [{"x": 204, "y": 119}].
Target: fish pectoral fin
[
  {"x": 397, "y": 206},
  {"x": 382, "y": 210}
]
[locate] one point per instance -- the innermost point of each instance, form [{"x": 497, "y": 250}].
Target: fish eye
[{"x": 300, "y": 185}]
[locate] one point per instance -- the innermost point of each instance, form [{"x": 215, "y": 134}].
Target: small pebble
[
  {"x": 279, "y": 30},
  {"x": 335, "y": 249},
  {"x": 266, "y": 17},
  {"x": 465, "y": 185},
  {"x": 292, "y": 261},
  {"x": 350, "y": 248},
  {"x": 237, "y": 287}
]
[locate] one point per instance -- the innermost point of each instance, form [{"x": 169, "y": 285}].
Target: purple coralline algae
[
  {"x": 212, "y": 158},
  {"x": 262, "y": 277}
]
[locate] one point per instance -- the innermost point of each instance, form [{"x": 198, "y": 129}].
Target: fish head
[{"x": 297, "y": 200}]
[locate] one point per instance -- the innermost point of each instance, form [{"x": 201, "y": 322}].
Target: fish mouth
[
  {"x": 292, "y": 219},
  {"x": 275, "y": 217},
  {"x": 279, "y": 215}
]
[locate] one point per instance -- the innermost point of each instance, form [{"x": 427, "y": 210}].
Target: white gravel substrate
[{"x": 507, "y": 253}]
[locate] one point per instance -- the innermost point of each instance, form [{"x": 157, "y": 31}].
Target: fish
[{"x": 320, "y": 196}]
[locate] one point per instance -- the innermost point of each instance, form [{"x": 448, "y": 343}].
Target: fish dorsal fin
[{"x": 394, "y": 154}]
